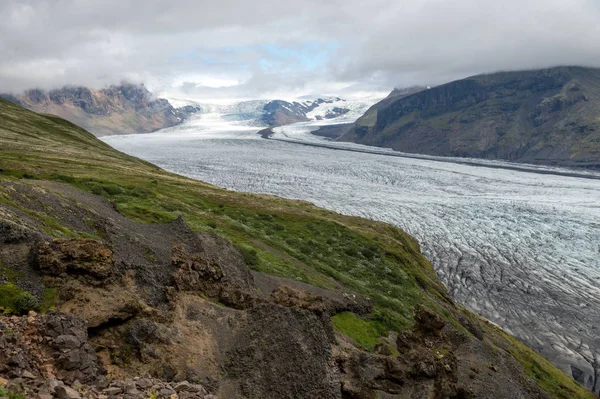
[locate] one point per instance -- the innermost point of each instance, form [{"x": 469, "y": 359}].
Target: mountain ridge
[
  {"x": 118, "y": 109},
  {"x": 547, "y": 116}
]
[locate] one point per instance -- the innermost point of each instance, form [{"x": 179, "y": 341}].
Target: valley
[{"x": 503, "y": 241}]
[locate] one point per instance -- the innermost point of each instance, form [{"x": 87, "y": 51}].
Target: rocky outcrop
[
  {"x": 123, "y": 109},
  {"x": 320, "y": 304},
  {"x": 76, "y": 256},
  {"x": 434, "y": 360},
  {"x": 543, "y": 116},
  {"x": 49, "y": 356},
  {"x": 218, "y": 270},
  {"x": 164, "y": 301},
  {"x": 53, "y": 345},
  {"x": 283, "y": 344}
]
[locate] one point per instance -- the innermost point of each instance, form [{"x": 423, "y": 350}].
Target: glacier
[{"x": 518, "y": 245}]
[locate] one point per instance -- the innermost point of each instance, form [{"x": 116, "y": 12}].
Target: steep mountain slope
[
  {"x": 250, "y": 295},
  {"x": 336, "y": 131},
  {"x": 548, "y": 116},
  {"x": 123, "y": 109}
]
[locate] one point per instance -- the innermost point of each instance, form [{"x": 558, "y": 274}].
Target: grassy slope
[{"x": 282, "y": 237}]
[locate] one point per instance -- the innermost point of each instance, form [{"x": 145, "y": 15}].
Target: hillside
[
  {"x": 123, "y": 109},
  {"x": 548, "y": 116},
  {"x": 241, "y": 295}
]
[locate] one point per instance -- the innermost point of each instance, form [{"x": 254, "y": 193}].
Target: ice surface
[{"x": 520, "y": 248}]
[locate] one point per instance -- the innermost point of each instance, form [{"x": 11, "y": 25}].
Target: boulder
[{"x": 428, "y": 321}]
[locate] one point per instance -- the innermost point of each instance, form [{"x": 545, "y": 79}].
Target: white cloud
[{"x": 241, "y": 49}]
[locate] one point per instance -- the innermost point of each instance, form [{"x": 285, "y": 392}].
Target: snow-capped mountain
[{"x": 273, "y": 113}]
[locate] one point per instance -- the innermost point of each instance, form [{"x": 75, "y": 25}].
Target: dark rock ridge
[
  {"x": 547, "y": 116},
  {"x": 279, "y": 112},
  {"x": 124, "y": 109}
]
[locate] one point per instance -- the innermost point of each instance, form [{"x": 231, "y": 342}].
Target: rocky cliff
[
  {"x": 123, "y": 109},
  {"x": 148, "y": 284},
  {"x": 545, "y": 116}
]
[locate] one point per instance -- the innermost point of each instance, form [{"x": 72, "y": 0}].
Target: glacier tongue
[{"x": 520, "y": 248}]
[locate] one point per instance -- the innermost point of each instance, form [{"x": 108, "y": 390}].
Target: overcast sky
[{"x": 281, "y": 49}]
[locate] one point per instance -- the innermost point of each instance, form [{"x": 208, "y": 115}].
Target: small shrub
[
  {"x": 11, "y": 395},
  {"x": 140, "y": 192},
  {"x": 351, "y": 251},
  {"x": 385, "y": 320},
  {"x": 48, "y": 299},
  {"x": 305, "y": 249},
  {"x": 30, "y": 176},
  {"x": 97, "y": 190},
  {"x": 250, "y": 256},
  {"x": 369, "y": 252},
  {"x": 25, "y": 302},
  {"x": 265, "y": 216},
  {"x": 15, "y": 300},
  {"x": 112, "y": 189},
  {"x": 62, "y": 178}
]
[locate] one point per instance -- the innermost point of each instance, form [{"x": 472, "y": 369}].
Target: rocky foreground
[
  {"x": 49, "y": 356},
  {"x": 163, "y": 301}
]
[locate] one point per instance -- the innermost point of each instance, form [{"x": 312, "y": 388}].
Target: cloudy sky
[{"x": 234, "y": 49}]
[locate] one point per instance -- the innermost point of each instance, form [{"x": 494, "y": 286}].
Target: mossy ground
[
  {"x": 15, "y": 300},
  {"x": 365, "y": 333}
]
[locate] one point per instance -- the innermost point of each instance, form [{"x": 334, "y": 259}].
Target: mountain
[
  {"x": 279, "y": 112},
  {"x": 547, "y": 116},
  {"x": 338, "y": 130},
  {"x": 123, "y": 109},
  {"x": 273, "y": 113},
  {"x": 148, "y": 273}
]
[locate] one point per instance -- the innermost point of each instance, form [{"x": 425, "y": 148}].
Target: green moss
[
  {"x": 15, "y": 300},
  {"x": 11, "y": 395},
  {"x": 250, "y": 255},
  {"x": 365, "y": 334},
  {"x": 48, "y": 299},
  {"x": 9, "y": 274}
]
